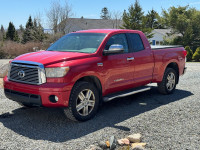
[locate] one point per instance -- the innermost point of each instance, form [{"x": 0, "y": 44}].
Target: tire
[
  {"x": 83, "y": 102},
  {"x": 169, "y": 81}
]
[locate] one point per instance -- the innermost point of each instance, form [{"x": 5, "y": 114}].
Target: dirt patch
[
  {"x": 4, "y": 70},
  {"x": 1, "y": 82}
]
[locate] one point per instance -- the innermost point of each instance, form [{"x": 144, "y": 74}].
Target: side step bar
[{"x": 126, "y": 93}]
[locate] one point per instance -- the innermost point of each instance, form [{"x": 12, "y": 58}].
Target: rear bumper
[{"x": 38, "y": 94}]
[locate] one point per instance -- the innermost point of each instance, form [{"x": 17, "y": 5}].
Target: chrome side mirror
[{"x": 114, "y": 49}]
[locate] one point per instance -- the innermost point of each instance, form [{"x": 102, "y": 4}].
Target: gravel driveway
[{"x": 165, "y": 121}]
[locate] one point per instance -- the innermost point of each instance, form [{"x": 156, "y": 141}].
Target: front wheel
[
  {"x": 169, "y": 81},
  {"x": 83, "y": 102}
]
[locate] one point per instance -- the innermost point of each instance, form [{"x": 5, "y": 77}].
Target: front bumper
[
  {"x": 25, "y": 98},
  {"x": 38, "y": 94}
]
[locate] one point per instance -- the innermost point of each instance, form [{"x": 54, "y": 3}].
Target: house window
[{"x": 157, "y": 43}]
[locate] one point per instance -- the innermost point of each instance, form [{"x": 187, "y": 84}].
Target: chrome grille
[{"x": 27, "y": 72}]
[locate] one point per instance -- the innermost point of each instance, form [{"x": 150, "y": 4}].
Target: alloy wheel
[
  {"x": 170, "y": 81},
  {"x": 85, "y": 102}
]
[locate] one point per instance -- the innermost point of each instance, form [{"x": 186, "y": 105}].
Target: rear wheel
[
  {"x": 168, "y": 84},
  {"x": 83, "y": 102}
]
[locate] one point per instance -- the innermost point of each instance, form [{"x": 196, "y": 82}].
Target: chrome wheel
[
  {"x": 171, "y": 81},
  {"x": 85, "y": 102}
]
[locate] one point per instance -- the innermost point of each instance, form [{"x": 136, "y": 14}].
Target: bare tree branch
[
  {"x": 57, "y": 16},
  {"x": 116, "y": 18}
]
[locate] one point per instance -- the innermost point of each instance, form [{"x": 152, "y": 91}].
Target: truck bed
[
  {"x": 163, "y": 56},
  {"x": 156, "y": 47}
]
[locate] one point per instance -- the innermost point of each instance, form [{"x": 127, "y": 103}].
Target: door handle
[{"x": 130, "y": 58}]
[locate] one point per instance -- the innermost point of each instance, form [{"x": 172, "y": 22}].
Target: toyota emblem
[{"x": 21, "y": 74}]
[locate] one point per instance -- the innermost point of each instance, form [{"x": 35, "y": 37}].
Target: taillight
[{"x": 185, "y": 53}]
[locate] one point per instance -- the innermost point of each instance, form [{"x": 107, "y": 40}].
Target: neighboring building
[
  {"x": 162, "y": 34},
  {"x": 76, "y": 24},
  {"x": 48, "y": 31},
  {"x": 159, "y": 35}
]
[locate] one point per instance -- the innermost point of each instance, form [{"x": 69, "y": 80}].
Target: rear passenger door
[{"x": 143, "y": 60}]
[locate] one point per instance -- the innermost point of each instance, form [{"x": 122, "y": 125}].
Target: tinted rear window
[{"x": 136, "y": 42}]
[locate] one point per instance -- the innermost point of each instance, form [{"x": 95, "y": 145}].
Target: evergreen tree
[
  {"x": 21, "y": 33},
  {"x": 38, "y": 31},
  {"x": 11, "y": 34},
  {"x": 135, "y": 19},
  {"x": 153, "y": 20},
  {"x": 29, "y": 33},
  {"x": 21, "y": 28},
  {"x": 2, "y": 33},
  {"x": 29, "y": 24},
  {"x": 33, "y": 32},
  {"x": 105, "y": 13},
  {"x": 189, "y": 53},
  {"x": 2, "y": 29},
  {"x": 41, "y": 33}
]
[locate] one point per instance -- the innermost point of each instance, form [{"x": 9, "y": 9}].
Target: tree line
[{"x": 33, "y": 31}]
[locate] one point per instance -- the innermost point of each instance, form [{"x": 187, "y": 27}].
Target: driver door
[{"x": 118, "y": 68}]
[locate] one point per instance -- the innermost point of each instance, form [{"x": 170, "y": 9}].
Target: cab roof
[{"x": 105, "y": 31}]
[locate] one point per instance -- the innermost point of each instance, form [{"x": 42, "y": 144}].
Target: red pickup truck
[{"x": 85, "y": 68}]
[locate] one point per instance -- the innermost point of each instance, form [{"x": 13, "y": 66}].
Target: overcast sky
[{"x": 18, "y": 11}]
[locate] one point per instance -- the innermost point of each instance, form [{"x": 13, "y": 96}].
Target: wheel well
[
  {"x": 94, "y": 80},
  {"x": 174, "y": 66}
]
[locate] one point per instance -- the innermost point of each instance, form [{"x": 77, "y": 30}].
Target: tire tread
[
  {"x": 69, "y": 110},
  {"x": 161, "y": 86}
]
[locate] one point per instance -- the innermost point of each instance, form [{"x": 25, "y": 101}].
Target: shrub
[
  {"x": 12, "y": 49},
  {"x": 2, "y": 54},
  {"x": 189, "y": 53},
  {"x": 196, "y": 55}
]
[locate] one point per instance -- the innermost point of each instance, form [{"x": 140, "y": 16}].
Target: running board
[{"x": 126, "y": 93}]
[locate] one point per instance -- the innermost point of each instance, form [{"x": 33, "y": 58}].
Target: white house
[
  {"x": 48, "y": 31},
  {"x": 159, "y": 35}
]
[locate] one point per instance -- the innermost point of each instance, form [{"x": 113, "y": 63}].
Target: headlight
[{"x": 56, "y": 72}]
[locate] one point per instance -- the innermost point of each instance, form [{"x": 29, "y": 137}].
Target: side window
[
  {"x": 118, "y": 39},
  {"x": 136, "y": 42}
]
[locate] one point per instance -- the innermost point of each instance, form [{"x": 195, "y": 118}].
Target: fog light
[
  {"x": 53, "y": 98},
  {"x": 56, "y": 98}
]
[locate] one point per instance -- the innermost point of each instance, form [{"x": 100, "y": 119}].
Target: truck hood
[{"x": 51, "y": 57}]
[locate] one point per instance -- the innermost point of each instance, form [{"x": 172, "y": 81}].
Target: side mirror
[{"x": 114, "y": 49}]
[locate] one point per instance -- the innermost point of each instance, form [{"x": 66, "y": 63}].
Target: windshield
[{"x": 78, "y": 42}]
